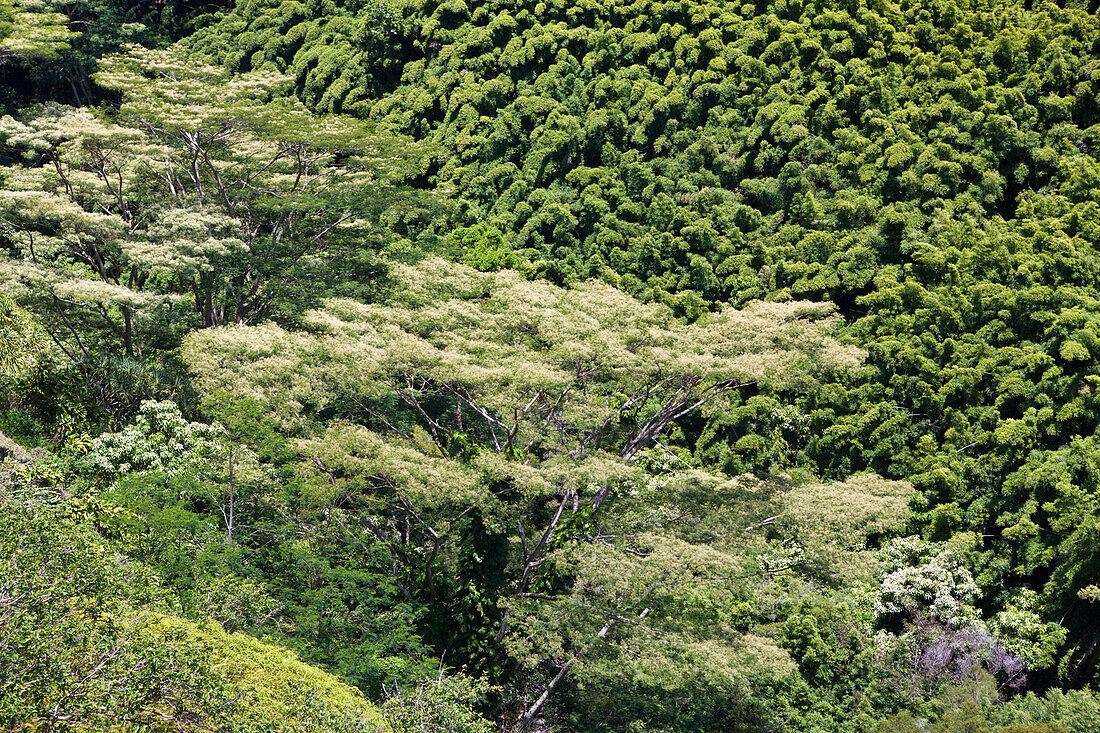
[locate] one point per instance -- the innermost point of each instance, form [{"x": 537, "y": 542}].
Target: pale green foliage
[
  {"x": 834, "y": 521},
  {"x": 541, "y": 408},
  {"x": 1077, "y": 711},
  {"x": 1024, "y": 634},
  {"x": 1090, "y": 593},
  {"x": 187, "y": 243},
  {"x": 85, "y": 642},
  {"x": 22, "y": 340},
  {"x": 278, "y": 692},
  {"x": 680, "y": 664},
  {"x": 926, "y": 577},
  {"x": 236, "y": 603},
  {"x": 444, "y": 704},
  {"x": 677, "y": 603},
  {"x": 245, "y": 120},
  {"x": 178, "y": 94},
  {"x": 546, "y": 376},
  {"x": 505, "y": 341},
  {"x": 211, "y": 186},
  {"x": 352, "y": 455},
  {"x": 77, "y": 225}
]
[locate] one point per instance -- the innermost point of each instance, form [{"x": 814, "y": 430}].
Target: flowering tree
[
  {"x": 31, "y": 29},
  {"x": 928, "y": 596},
  {"x": 505, "y": 440},
  {"x": 212, "y": 199}
]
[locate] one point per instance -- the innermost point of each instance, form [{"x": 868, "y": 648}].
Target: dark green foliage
[
  {"x": 341, "y": 52},
  {"x": 658, "y": 140},
  {"x": 837, "y": 658},
  {"x": 164, "y": 492}
]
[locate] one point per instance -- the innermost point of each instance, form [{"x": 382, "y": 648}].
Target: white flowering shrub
[
  {"x": 925, "y": 578},
  {"x": 1023, "y": 632},
  {"x": 159, "y": 440},
  {"x": 942, "y": 639}
]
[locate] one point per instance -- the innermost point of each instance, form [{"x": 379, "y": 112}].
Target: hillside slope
[{"x": 929, "y": 166}]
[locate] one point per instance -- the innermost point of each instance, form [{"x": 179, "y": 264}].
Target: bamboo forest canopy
[
  {"x": 502, "y": 365},
  {"x": 726, "y": 150}
]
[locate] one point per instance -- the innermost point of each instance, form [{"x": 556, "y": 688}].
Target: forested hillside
[{"x": 550, "y": 366}]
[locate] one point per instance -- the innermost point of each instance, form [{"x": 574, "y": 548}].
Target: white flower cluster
[
  {"x": 924, "y": 577},
  {"x": 1024, "y": 633},
  {"x": 159, "y": 440}
]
